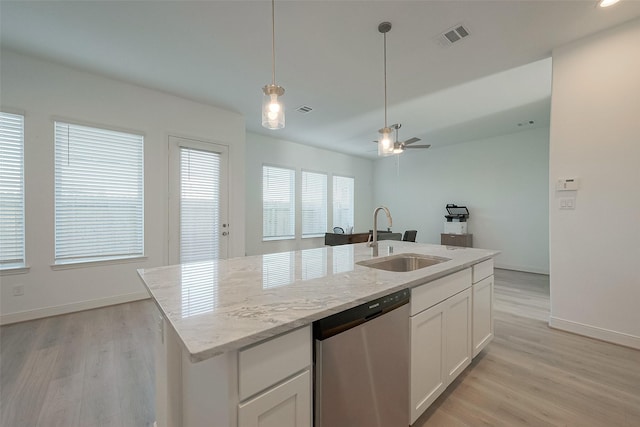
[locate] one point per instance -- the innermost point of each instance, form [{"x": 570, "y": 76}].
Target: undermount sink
[{"x": 403, "y": 262}]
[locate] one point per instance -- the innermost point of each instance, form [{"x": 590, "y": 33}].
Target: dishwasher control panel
[{"x": 340, "y": 322}]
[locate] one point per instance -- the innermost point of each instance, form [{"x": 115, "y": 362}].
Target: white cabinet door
[
  {"x": 482, "y": 314},
  {"x": 427, "y": 375},
  {"x": 458, "y": 353},
  {"x": 285, "y": 405}
]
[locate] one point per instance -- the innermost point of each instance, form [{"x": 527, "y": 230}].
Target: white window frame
[
  {"x": 95, "y": 167},
  {"x": 306, "y": 197},
  {"x": 12, "y": 193},
  {"x": 291, "y": 201}
]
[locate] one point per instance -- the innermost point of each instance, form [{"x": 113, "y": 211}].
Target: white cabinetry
[
  {"x": 440, "y": 337},
  {"x": 267, "y": 384},
  {"x": 457, "y": 324},
  {"x": 482, "y": 305},
  {"x": 426, "y": 375},
  {"x": 277, "y": 370},
  {"x": 285, "y": 405}
]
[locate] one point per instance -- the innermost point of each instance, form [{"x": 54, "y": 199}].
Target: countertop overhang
[{"x": 223, "y": 305}]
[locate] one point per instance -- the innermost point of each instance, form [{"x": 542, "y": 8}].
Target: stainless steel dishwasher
[{"x": 362, "y": 365}]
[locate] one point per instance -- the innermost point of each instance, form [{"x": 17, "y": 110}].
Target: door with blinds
[{"x": 198, "y": 200}]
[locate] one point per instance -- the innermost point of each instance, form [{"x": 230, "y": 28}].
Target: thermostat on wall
[{"x": 567, "y": 184}]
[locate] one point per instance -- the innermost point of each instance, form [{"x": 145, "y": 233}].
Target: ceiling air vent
[
  {"x": 304, "y": 109},
  {"x": 453, "y": 35}
]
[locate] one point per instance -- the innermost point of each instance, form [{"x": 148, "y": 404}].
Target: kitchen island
[{"x": 234, "y": 338}]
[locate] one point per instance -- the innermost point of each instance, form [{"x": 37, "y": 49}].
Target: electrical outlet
[{"x": 18, "y": 290}]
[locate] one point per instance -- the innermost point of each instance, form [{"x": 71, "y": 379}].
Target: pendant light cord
[
  {"x": 385, "y": 79},
  {"x": 273, "y": 41}
]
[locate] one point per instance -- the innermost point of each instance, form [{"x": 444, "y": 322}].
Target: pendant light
[
  {"x": 272, "y": 105},
  {"x": 385, "y": 145}
]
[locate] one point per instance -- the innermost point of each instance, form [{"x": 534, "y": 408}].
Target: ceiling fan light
[
  {"x": 273, "y": 107},
  {"x": 607, "y": 3}
]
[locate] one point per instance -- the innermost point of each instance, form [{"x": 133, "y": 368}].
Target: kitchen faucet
[{"x": 374, "y": 242}]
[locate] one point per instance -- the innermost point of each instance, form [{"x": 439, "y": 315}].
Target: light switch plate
[{"x": 567, "y": 203}]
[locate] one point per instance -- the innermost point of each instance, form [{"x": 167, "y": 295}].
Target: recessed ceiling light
[{"x": 607, "y": 3}]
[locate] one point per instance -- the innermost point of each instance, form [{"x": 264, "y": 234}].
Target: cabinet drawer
[
  {"x": 430, "y": 294},
  {"x": 464, "y": 240},
  {"x": 272, "y": 361},
  {"x": 482, "y": 270}
]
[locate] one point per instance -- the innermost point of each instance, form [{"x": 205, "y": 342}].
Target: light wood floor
[
  {"x": 531, "y": 375},
  {"x": 89, "y": 369},
  {"x": 95, "y": 368}
]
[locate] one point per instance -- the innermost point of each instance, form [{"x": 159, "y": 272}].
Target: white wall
[
  {"x": 595, "y": 136},
  {"x": 45, "y": 91},
  {"x": 503, "y": 181},
  {"x": 276, "y": 152}
]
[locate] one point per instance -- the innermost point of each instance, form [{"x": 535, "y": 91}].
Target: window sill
[
  {"x": 313, "y": 236},
  {"x": 96, "y": 263},
  {"x": 272, "y": 239},
  {"x": 9, "y": 271}
]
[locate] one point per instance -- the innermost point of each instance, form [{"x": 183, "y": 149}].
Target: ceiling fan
[{"x": 400, "y": 146}]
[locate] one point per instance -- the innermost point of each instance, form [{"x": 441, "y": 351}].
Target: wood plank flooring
[
  {"x": 92, "y": 368},
  {"x": 96, "y": 368},
  {"x": 531, "y": 375}
]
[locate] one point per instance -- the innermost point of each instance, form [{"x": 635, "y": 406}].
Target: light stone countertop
[{"x": 223, "y": 305}]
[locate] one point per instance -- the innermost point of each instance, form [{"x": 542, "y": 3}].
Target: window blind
[
  {"x": 278, "y": 269},
  {"x": 99, "y": 197},
  {"x": 11, "y": 191},
  {"x": 343, "y": 202},
  {"x": 314, "y": 263},
  {"x": 278, "y": 203},
  {"x": 199, "y": 288},
  {"x": 314, "y": 204},
  {"x": 199, "y": 205}
]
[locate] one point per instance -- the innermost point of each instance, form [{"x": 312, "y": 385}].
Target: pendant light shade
[
  {"x": 385, "y": 144},
  {"x": 272, "y": 105}
]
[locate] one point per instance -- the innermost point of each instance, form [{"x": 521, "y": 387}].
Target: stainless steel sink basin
[{"x": 403, "y": 262}]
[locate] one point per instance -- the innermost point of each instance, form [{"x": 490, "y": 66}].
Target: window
[
  {"x": 343, "y": 202},
  {"x": 278, "y": 203},
  {"x": 314, "y": 204},
  {"x": 199, "y": 205},
  {"x": 99, "y": 200},
  {"x": 11, "y": 191}
]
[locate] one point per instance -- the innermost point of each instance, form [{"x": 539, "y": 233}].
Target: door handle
[{"x": 224, "y": 233}]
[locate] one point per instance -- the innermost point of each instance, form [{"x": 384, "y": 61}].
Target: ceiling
[{"x": 329, "y": 57}]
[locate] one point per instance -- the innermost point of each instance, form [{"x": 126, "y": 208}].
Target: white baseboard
[
  {"x": 619, "y": 338},
  {"x": 521, "y": 268},
  {"x": 39, "y": 313}
]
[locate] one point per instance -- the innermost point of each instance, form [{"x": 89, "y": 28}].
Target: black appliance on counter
[{"x": 456, "y": 213}]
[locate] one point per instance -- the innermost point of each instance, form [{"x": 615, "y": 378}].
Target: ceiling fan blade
[
  {"x": 411, "y": 140},
  {"x": 418, "y": 146}
]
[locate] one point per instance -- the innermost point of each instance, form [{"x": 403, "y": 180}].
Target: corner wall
[
  {"x": 45, "y": 91},
  {"x": 595, "y": 137},
  {"x": 502, "y": 180},
  {"x": 277, "y": 152}
]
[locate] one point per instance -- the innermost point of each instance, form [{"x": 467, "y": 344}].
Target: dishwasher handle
[{"x": 345, "y": 320}]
